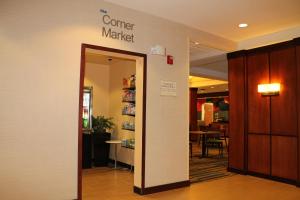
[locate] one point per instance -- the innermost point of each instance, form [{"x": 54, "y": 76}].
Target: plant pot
[
  {"x": 101, "y": 148},
  {"x": 86, "y": 151}
]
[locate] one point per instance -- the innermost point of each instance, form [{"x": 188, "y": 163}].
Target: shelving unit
[
  {"x": 128, "y": 111},
  {"x": 127, "y": 101},
  {"x": 128, "y": 147},
  {"x": 129, "y": 88},
  {"x": 128, "y": 129},
  {"x": 132, "y": 115}
]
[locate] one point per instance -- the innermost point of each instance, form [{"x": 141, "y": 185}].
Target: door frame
[{"x": 81, "y": 86}]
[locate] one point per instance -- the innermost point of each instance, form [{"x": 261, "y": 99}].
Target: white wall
[
  {"x": 97, "y": 76},
  {"x": 39, "y": 91}
]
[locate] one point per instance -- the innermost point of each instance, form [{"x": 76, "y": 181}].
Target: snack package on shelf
[
  {"x": 129, "y": 95},
  {"x": 125, "y": 83},
  {"x": 128, "y": 109},
  {"x": 128, "y": 125},
  {"x": 128, "y": 143},
  {"x": 132, "y": 81},
  {"x": 129, "y": 82}
]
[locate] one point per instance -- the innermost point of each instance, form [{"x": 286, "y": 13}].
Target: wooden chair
[
  {"x": 224, "y": 137},
  {"x": 216, "y": 142}
]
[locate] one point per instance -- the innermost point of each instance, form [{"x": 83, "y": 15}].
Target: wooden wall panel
[
  {"x": 236, "y": 113},
  {"x": 259, "y": 153},
  {"x": 268, "y": 126},
  {"x": 284, "y": 106},
  {"x": 284, "y": 157},
  {"x": 298, "y": 106},
  {"x": 258, "y": 106}
]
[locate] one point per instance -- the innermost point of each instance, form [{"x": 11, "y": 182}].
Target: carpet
[{"x": 204, "y": 169}]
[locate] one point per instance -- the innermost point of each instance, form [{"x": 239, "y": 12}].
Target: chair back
[{"x": 223, "y": 130}]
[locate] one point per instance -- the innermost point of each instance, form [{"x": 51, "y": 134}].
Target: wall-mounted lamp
[{"x": 268, "y": 89}]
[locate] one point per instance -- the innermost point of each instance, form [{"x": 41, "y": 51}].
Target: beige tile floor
[{"x": 109, "y": 184}]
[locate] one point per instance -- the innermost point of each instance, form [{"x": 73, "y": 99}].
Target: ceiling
[
  {"x": 207, "y": 85},
  {"x": 214, "y": 63},
  {"x": 208, "y": 62},
  {"x": 199, "y": 51},
  {"x": 98, "y": 58},
  {"x": 213, "y": 89},
  {"x": 222, "y": 17}
]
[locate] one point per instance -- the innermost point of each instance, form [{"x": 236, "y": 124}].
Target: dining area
[
  {"x": 213, "y": 136},
  {"x": 208, "y": 134},
  {"x": 209, "y": 152}
]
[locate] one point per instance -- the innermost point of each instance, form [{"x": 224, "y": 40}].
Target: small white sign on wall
[
  {"x": 168, "y": 88},
  {"x": 158, "y": 50}
]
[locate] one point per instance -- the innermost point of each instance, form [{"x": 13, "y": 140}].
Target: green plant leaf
[{"x": 101, "y": 124}]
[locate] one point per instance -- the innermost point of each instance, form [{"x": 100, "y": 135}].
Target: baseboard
[
  {"x": 238, "y": 171},
  {"x": 273, "y": 178},
  {"x": 137, "y": 190},
  {"x": 161, "y": 188}
]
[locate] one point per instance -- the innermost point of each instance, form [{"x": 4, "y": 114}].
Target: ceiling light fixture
[
  {"x": 196, "y": 43},
  {"x": 243, "y": 25}
]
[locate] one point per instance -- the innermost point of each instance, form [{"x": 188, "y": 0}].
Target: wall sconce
[{"x": 269, "y": 89}]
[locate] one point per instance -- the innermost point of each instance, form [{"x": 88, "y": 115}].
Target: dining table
[{"x": 204, "y": 135}]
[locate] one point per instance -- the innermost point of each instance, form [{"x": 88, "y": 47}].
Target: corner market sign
[{"x": 109, "y": 30}]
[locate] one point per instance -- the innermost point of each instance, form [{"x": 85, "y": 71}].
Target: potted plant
[{"x": 101, "y": 125}]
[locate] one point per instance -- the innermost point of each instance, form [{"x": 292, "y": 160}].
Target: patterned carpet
[{"x": 204, "y": 169}]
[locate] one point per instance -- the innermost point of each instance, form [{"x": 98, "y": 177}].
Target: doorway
[
  {"x": 139, "y": 121},
  {"x": 209, "y": 129},
  {"x": 209, "y": 109}
]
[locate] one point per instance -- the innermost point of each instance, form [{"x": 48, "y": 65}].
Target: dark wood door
[
  {"x": 259, "y": 153},
  {"x": 236, "y": 113},
  {"x": 258, "y": 106},
  {"x": 284, "y": 106},
  {"x": 284, "y": 157}
]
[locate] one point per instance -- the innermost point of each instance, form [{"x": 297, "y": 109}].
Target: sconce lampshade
[{"x": 269, "y": 89}]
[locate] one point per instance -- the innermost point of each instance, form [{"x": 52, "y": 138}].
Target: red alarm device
[{"x": 170, "y": 60}]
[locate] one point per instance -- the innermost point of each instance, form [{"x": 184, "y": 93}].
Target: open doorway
[
  {"x": 209, "y": 113},
  {"x": 111, "y": 128}
]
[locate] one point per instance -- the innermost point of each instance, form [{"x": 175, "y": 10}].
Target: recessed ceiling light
[
  {"x": 196, "y": 43},
  {"x": 212, "y": 87},
  {"x": 243, "y": 25}
]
